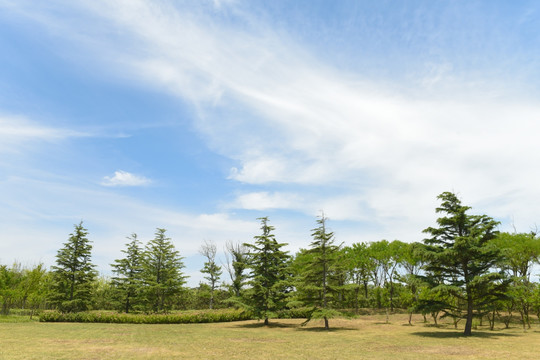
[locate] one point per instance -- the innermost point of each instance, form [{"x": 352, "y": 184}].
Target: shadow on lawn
[
  {"x": 322, "y": 329},
  {"x": 459, "y": 334},
  {"x": 297, "y": 327},
  {"x": 260, "y": 324}
]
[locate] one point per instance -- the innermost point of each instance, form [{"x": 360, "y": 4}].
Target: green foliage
[
  {"x": 162, "y": 272},
  {"x": 460, "y": 256},
  {"x": 186, "y": 317},
  {"x": 268, "y": 264},
  {"x": 24, "y": 288},
  {"x": 74, "y": 273},
  {"x": 319, "y": 281},
  {"x": 359, "y": 265},
  {"x": 128, "y": 272},
  {"x": 211, "y": 269},
  {"x": 236, "y": 266}
]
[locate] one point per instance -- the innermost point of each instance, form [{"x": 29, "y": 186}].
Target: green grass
[{"x": 367, "y": 337}]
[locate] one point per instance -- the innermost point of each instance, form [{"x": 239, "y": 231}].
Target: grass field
[{"x": 365, "y": 338}]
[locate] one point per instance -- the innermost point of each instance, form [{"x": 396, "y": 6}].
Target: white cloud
[
  {"x": 124, "y": 178},
  {"x": 18, "y": 132},
  {"x": 264, "y": 201},
  {"x": 287, "y": 118}
]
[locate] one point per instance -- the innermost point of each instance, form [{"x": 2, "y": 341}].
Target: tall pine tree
[
  {"x": 162, "y": 272},
  {"x": 268, "y": 264},
  {"x": 128, "y": 271},
  {"x": 74, "y": 273},
  {"x": 319, "y": 282},
  {"x": 460, "y": 258}
]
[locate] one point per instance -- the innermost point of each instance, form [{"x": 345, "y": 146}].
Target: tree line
[{"x": 464, "y": 269}]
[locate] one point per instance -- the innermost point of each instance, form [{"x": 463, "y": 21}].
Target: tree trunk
[
  {"x": 410, "y": 318},
  {"x": 326, "y": 326},
  {"x": 357, "y": 293},
  {"x": 468, "y": 324},
  {"x": 265, "y": 321},
  {"x": 434, "y": 316}
]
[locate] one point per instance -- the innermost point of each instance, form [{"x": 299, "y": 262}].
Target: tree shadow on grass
[
  {"x": 322, "y": 329},
  {"x": 260, "y": 324},
  {"x": 459, "y": 334},
  {"x": 298, "y": 327}
]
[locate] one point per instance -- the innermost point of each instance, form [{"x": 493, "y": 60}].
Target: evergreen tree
[
  {"x": 460, "y": 256},
  {"x": 128, "y": 271},
  {"x": 268, "y": 264},
  {"x": 162, "y": 271},
  {"x": 74, "y": 273},
  {"x": 210, "y": 268},
  {"x": 319, "y": 283}
]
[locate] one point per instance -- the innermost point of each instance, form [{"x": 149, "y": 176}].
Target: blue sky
[{"x": 201, "y": 116}]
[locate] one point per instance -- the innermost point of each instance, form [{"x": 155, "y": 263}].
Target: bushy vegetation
[
  {"x": 185, "y": 317},
  {"x": 464, "y": 270}
]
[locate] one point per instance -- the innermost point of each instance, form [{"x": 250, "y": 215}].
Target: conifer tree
[
  {"x": 268, "y": 264},
  {"x": 162, "y": 271},
  {"x": 74, "y": 273},
  {"x": 460, "y": 258},
  {"x": 128, "y": 271},
  {"x": 319, "y": 283}
]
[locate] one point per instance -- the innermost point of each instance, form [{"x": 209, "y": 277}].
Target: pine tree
[
  {"x": 268, "y": 264},
  {"x": 162, "y": 271},
  {"x": 128, "y": 271},
  {"x": 319, "y": 282},
  {"x": 460, "y": 257},
  {"x": 74, "y": 273}
]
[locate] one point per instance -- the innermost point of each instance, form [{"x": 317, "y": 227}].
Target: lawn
[{"x": 368, "y": 337}]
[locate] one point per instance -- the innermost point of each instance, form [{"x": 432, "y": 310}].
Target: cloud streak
[
  {"x": 124, "y": 178},
  {"x": 287, "y": 118}
]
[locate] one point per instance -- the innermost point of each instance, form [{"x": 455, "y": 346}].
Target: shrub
[{"x": 185, "y": 317}]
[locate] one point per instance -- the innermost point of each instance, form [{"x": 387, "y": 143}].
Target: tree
[
  {"x": 128, "y": 271},
  {"x": 74, "y": 273},
  {"x": 520, "y": 252},
  {"x": 213, "y": 271},
  {"x": 34, "y": 287},
  {"x": 10, "y": 286},
  {"x": 360, "y": 266},
  {"x": 319, "y": 284},
  {"x": 268, "y": 264},
  {"x": 460, "y": 255},
  {"x": 236, "y": 265},
  {"x": 162, "y": 271},
  {"x": 411, "y": 261}
]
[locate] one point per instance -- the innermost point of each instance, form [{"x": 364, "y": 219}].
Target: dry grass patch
[{"x": 368, "y": 337}]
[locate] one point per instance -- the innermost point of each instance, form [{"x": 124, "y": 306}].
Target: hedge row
[{"x": 188, "y": 317}]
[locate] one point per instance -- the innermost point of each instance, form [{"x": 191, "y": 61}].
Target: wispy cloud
[
  {"x": 285, "y": 117},
  {"x": 17, "y": 128},
  {"x": 124, "y": 178}
]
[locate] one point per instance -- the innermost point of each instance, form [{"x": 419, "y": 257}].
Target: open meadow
[{"x": 367, "y": 337}]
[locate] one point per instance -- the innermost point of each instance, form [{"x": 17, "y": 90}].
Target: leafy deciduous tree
[{"x": 213, "y": 271}]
